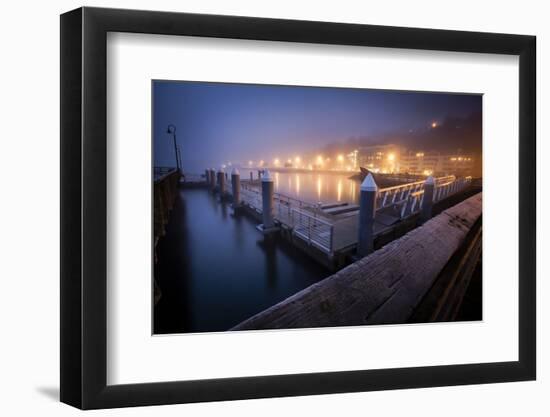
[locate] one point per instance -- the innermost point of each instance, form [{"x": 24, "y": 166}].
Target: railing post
[
  {"x": 427, "y": 201},
  {"x": 221, "y": 182},
  {"x": 267, "y": 201},
  {"x": 212, "y": 179},
  {"x": 331, "y": 241},
  {"x": 251, "y": 177},
  {"x": 236, "y": 187},
  {"x": 207, "y": 176},
  {"x": 367, "y": 211}
]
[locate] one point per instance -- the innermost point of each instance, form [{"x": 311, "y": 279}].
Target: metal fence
[
  {"x": 313, "y": 229},
  {"x": 408, "y": 198},
  {"x": 306, "y": 222}
]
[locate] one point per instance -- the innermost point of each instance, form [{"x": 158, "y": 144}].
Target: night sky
[{"x": 219, "y": 122}]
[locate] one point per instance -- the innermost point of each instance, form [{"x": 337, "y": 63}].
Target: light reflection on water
[{"x": 315, "y": 187}]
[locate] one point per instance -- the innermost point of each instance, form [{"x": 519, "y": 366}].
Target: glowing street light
[
  {"x": 391, "y": 157},
  {"x": 276, "y": 162},
  {"x": 434, "y": 125},
  {"x": 320, "y": 160},
  {"x": 340, "y": 158}
]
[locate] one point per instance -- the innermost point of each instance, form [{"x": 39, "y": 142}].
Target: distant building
[
  {"x": 435, "y": 163},
  {"x": 379, "y": 158}
]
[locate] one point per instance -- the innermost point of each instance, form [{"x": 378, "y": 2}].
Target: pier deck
[
  {"x": 333, "y": 227},
  {"x": 384, "y": 287}
]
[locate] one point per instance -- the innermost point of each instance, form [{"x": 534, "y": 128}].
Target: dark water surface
[{"x": 216, "y": 270}]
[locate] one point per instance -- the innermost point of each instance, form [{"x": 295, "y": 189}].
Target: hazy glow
[{"x": 247, "y": 123}]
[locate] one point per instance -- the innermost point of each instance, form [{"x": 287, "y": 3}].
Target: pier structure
[
  {"x": 375, "y": 290},
  {"x": 268, "y": 225},
  {"x": 221, "y": 182},
  {"x": 236, "y": 188},
  {"x": 212, "y": 179},
  {"x": 427, "y": 201},
  {"x": 334, "y": 232},
  {"x": 341, "y": 235},
  {"x": 165, "y": 188},
  {"x": 367, "y": 216}
]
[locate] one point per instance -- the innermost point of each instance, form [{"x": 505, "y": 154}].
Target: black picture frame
[{"x": 84, "y": 207}]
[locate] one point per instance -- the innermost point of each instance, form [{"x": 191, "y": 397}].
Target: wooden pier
[
  {"x": 329, "y": 232},
  {"x": 389, "y": 285},
  {"x": 165, "y": 189},
  {"x": 393, "y": 284}
]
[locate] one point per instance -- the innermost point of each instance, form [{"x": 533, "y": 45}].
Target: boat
[{"x": 385, "y": 180}]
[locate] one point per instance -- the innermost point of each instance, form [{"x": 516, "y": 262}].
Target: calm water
[
  {"x": 315, "y": 187},
  {"x": 216, "y": 270}
]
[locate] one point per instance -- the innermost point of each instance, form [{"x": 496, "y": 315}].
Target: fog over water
[{"x": 220, "y": 122}]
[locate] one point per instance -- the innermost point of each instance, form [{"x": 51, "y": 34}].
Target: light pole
[{"x": 172, "y": 130}]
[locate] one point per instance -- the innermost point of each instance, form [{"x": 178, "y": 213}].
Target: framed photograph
[{"x": 257, "y": 208}]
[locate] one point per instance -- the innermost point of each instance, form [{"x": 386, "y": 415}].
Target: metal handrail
[
  {"x": 409, "y": 198},
  {"x": 302, "y": 218},
  {"x": 313, "y": 229}
]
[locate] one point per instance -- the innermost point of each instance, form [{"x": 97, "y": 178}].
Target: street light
[{"x": 171, "y": 130}]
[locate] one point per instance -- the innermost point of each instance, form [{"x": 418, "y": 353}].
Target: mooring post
[
  {"x": 251, "y": 176},
  {"x": 236, "y": 187},
  {"x": 221, "y": 182},
  {"x": 267, "y": 200},
  {"x": 367, "y": 211},
  {"x": 207, "y": 176},
  {"x": 212, "y": 179},
  {"x": 428, "y": 199}
]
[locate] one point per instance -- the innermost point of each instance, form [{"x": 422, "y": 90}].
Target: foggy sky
[{"x": 218, "y": 122}]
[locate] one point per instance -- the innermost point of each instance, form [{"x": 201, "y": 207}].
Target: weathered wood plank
[{"x": 383, "y": 287}]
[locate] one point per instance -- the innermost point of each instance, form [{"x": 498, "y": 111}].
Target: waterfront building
[
  {"x": 379, "y": 158},
  {"x": 436, "y": 163}
]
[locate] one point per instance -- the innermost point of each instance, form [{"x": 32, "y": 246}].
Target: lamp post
[{"x": 172, "y": 130}]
